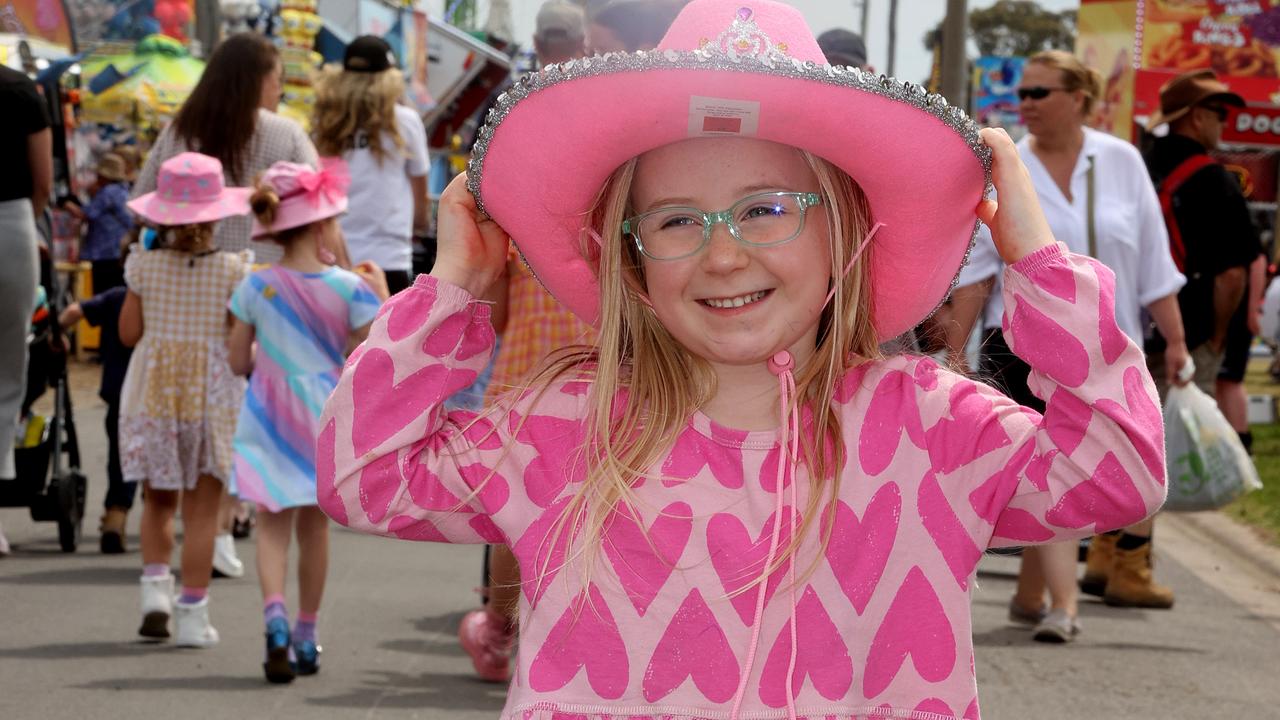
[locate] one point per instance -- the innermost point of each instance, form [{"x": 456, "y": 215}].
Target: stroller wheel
[{"x": 71, "y": 494}]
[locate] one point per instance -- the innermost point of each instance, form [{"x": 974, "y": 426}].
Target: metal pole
[
  {"x": 955, "y": 62},
  {"x": 893, "y": 36},
  {"x": 866, "y": 16}
]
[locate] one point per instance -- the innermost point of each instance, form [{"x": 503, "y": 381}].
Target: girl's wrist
[{"x": 476, "y": 283}]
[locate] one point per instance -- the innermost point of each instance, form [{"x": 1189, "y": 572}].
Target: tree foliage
[{"x": 1014, "y": 28}]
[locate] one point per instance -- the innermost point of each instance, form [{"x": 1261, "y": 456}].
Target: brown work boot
[
  {"x": 1131, "y": 583},
  {"x": 111, "y": 528},
  {"x": 1098, "y": 564}
]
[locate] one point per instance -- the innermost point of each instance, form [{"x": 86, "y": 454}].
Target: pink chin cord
[{"x": 782, "y": 365}]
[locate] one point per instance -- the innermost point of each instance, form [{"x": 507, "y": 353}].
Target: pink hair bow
[{"x": 330, "y": 182}]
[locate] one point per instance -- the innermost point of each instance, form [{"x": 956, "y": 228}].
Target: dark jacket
[{"x": 1218, "y": 233}]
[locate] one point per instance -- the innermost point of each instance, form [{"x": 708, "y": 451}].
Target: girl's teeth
[{"x": 736, "y": 302}]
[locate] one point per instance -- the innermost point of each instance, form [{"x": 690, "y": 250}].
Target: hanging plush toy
[
  {"x": 237, "y": 14},
  {"x": 173, "y": 16}
]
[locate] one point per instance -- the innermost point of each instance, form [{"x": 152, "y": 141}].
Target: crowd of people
[{"x": 707, "y": 439}]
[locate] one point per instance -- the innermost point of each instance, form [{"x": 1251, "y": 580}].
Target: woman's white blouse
[{"x": 1131, "y": 236}]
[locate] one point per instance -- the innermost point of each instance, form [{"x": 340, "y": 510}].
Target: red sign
[
  {"x": 1253, "y": 125},
  {"x": 1256, "y": 172}
]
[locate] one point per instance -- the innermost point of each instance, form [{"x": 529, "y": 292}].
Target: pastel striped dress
[{"x": 302, "y": 322}]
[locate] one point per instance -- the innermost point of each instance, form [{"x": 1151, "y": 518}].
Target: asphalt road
[{"x": 68, "y": 649}]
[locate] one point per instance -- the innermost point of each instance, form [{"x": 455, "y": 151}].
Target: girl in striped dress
[{"x": 305, "y": 316}]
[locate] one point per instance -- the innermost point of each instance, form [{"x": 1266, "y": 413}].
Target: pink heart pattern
[
  {"x": 693, "y": 451},
  {"x": 859, "y": 550},
  {"x": 1107, "y": 500},
  {"x": 559, "y": 461},
  {"x": 1056, "y": 351},
  {"x": 821, "y": 656},
  {"x": 408, "y": 313},
  {"x": 971, "y": 432},
  {"x": 693, "y": 646},
  {"x": 644, "y": 559},
  {"x": 739, "y": 561},
  {"x": 1142, "y": 420},
  {"x": 383, "y": 407},
  {"x": 542, "y": 551},
  {"x": 949, "y": 534},
  {"x": 585, "y": 637},
  {"x": 915, "y": 626},
  {"x": 327, "y": 495},
  {"x": 892, "y": 411}
]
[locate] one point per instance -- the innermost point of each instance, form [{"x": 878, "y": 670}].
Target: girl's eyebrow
[{"x": 741, "y": 192}]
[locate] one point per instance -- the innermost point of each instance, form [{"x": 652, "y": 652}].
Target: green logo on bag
[{"x": 1194, "y": 480}]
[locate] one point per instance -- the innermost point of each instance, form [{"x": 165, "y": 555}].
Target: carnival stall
[{"x": 1139, "y": 45}]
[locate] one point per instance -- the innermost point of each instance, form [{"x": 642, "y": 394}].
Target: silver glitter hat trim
[{"x": 711, "y": 57}]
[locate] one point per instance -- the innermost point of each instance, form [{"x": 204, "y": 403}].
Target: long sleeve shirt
[{"x": 939, "y": 467}]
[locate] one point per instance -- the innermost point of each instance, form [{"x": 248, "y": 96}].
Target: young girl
[
  {"x": 304, "y": 315},
  {"x": 179, "y": 400},
  {"x": 733, "y": 505}
]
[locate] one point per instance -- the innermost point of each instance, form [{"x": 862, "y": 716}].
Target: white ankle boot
[
  {"x": 157, "y": 605},
  {"x": 192, "y": 623},
  {"x": 225, "y": 560}
]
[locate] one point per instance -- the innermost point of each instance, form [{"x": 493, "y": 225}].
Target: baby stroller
[{"x": 47, "y": 456}]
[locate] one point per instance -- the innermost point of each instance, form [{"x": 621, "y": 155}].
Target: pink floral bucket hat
[
  {"x": 734, "y": 68},
  {"x": 189, "y": 190},
  {"x": 306, "y": 195}
]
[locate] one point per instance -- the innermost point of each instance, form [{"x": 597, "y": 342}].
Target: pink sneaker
[{"x": 487, "y": 637}]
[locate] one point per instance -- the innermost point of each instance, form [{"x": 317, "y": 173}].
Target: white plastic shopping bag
[{"x": 1208, "y": 466}]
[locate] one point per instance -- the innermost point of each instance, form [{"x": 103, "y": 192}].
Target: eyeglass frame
[{"x": 805, "y": 200}]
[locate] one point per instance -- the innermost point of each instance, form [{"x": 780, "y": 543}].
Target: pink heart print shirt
[{"x": 939, "y": 468}]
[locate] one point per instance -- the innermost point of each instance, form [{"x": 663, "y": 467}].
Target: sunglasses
[
  {"x": 1036, "y": 92},
  {"x": 1218, "y": 110}
]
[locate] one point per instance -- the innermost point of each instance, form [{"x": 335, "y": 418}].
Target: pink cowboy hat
[
  {"x": 744, "y": 68},
  {"x": 188, "y": 191},
  {"x": 306, "y": 195}
]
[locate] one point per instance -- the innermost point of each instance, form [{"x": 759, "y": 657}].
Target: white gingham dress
[
  {"x": 180, "y": 400},
  {"x": 275, "y": 138}
]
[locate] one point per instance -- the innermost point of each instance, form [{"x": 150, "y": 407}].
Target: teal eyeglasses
[{"x": 760, "y": 220}]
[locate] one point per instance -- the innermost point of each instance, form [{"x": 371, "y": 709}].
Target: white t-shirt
[
  {"x": 379, "y": 220},
  {"x": 1131, "y": 236}
]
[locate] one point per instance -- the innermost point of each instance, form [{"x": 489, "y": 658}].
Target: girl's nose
[{"x": 724, "y": 253}]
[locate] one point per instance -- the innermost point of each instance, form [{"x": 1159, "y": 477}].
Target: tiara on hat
[{"x": 744, "y": 38}]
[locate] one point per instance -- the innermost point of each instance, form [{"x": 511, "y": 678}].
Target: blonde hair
[
  {"x": 636, "y": 409},
  {"x": 348, "y": 103},
  {"x": 1075, "y": 75}
]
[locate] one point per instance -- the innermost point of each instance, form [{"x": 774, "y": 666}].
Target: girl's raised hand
[
  {"x": 1017, "y": 223},
  {"x": 471, "y": 249}
]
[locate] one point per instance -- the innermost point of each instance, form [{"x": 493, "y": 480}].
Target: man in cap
[
  {"x": 1213, "y": 241},
  {"x": 559, "y": 33},
  {"x": 844, "y": 47}
]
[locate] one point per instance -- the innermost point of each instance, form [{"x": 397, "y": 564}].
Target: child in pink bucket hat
[
  {"x": 179, "y": 400},
  {"x": 734, "y": 505},
  {"x": 304, "y": 314}
]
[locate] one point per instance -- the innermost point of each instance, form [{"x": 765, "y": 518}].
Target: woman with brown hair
[
  {"x": 358, "y": 117},
  {"x": 1098, "y": 198},
  {"x": 230, "y": 116}
]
